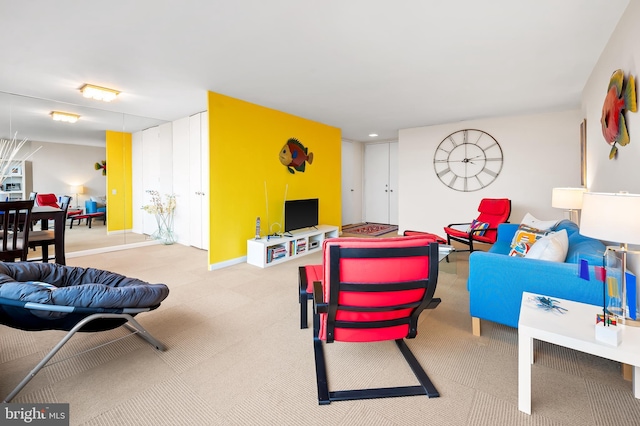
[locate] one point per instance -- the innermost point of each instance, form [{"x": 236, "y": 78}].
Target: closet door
[
  {"x": 181, "y": 180},
  {"x": 393, "y": 183},
  {"x": 198, "y": 181},
  {"x": 351, "y": 182},
  {"x": 381, "y": 182}
]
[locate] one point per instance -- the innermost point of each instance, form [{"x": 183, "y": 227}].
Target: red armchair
[
  {"x": 47, "y": 200},
  {"x": 374, "y": 289},
  {"x": 483, "y": 229},
  {"x": 308, "y": 274}
]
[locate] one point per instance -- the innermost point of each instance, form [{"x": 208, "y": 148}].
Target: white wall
[
  {"x": 622, "y": 52},
  {"x": 540, "y": 152}
]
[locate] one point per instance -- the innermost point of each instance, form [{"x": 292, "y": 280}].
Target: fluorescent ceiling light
[
  {"x": 67, "y": 117},
  {"x": 373, "y": 135},
  {"x": 98, "y": 93}
]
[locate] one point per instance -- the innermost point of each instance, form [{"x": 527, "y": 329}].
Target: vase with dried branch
[{"x": 164, "y": 216}]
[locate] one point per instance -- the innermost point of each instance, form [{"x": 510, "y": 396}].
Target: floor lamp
[
  {"x": 614, "y": 218},
  {"x": 569, "y": 199},
  {"x": 77, "y": 189}
]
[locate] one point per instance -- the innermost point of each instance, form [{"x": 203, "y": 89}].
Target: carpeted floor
[
  {"x": 236, "y": 356},
  {"x": 368, "y": 229}
]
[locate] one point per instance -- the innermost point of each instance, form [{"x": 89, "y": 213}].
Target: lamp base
[{"x": 611, "y": 335}]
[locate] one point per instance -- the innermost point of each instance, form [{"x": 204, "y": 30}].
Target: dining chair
[
  {"x": 14, "y": 235},
  {"x": 45, "y": 238}
]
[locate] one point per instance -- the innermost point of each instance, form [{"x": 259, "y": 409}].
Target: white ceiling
[{"x": 361, "y": 65}]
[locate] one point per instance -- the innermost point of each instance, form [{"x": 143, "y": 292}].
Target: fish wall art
[
  {"x": 294, "y": 156},
  {"x": 621, "y": 97},
  {"x": 101, "y": 165}
]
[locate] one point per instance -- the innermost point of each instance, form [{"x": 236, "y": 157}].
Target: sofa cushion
[
  {"x": 581, "y": 247},
  {"x": 567, "y": 225},
  {"x": 553, "y": 246}
]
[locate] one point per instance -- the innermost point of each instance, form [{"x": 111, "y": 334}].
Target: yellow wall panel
[
  {"x": 119, "y": 181},
  {"x": 245, "y": 142}
]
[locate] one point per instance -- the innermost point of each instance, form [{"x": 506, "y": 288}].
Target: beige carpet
[{"x": 237, "y": 357}]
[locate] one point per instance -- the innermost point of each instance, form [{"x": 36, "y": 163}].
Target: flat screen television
[{"x": 300, "y": 214}]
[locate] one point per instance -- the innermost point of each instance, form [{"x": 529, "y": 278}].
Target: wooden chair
[
  {"x": 15, "y": 236},
  {"x": 45, "y": 238},
  {"x": 483, "y": 229},
  {"x": 374, "y": 289}
]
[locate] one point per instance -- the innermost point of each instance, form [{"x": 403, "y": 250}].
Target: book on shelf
[{"x": 275, "y": 253}]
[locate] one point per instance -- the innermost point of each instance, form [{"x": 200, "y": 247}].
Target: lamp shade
[
  {"x": 611, "y": 217},
  {"x": 567, "y": 198},
  {"x": 77, "y": 189}
]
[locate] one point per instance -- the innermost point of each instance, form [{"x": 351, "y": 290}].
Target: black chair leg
[
  {"x": 417, "y": 369},
  {"x": 45, "y": 253},
  {"x": 321, "y": 368},
  {"x": 303, "y": 296}
]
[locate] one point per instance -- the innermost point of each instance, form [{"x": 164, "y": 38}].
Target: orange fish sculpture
[
  {"x": 620, "y": 97},
  {"x": 294, "y": 156}
]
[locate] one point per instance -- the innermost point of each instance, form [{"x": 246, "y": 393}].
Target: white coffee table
[{"x": 575, "y": 330}]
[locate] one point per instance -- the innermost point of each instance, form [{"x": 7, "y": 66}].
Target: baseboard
[{"x": 227, "y": 263}]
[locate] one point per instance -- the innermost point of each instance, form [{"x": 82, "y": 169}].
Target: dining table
[{"x": 45, "y": 213}]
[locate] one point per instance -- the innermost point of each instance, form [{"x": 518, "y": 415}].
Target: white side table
[{"x": 574, "y": 330}]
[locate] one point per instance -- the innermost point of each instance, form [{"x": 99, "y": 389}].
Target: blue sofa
[{"x": 497, "y": 280}]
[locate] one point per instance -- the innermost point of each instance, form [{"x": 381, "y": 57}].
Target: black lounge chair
[{"x": 45, "y": 296}]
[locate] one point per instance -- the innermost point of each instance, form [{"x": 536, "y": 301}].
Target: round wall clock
[{"x": 468, "y": 160}]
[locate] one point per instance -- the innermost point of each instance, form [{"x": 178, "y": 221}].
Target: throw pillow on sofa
[
  {"x": 524, "y": 239},
  {"x": 553, "y": 246},
  {"x": 532, "y": 222}
]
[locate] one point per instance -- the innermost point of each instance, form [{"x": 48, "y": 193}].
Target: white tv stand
[{"x": 274, "y": 250}]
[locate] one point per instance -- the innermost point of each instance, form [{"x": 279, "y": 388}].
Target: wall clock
[{"x": 468, "y": 160}]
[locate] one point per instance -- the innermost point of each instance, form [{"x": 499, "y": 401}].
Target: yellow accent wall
[
  {"x": 119, "y": 180},
  {"x": 245, "y": 142}
]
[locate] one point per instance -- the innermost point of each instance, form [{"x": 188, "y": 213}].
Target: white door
[
  {"x": 195, "y": 182},
  {"x": 181, "y": 179},
  {"x": 393, "y": 183},
  {"x": 381, "y": 182},
  {"x": 351, "y": 183},
  {"x": 204, "y": 180},
  {"x": 376, "y": 183}
]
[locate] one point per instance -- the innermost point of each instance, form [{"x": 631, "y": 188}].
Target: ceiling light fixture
[
  {"x": 98, "y": 93},
  {"x": 373, "y": 135},
  {"x": 66, "y": 117}
]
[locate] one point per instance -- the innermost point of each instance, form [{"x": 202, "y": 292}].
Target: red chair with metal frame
[
  {"x": 374, "y": 289},
  {"x": 308, "y": 274},
  {"x": 483, "y": 229}
]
